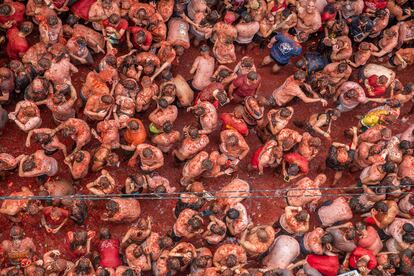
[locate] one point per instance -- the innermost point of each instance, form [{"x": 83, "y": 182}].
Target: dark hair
[
  {"x": 381, "y": 207},
  {"x": 408, "y": 227},
  {"x": 389, "y": 167},
  {"x": 252, "y": 75},
  {"x": 232, "y": 213},
  {"x": 404, "y": 145},
  {"x": 52, "y": 20}
]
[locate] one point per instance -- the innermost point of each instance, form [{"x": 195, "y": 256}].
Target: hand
[
  {"x": 12, "y": 116},
  {"x": 270, "y": 45},
  {"x": 324, "y": 102},
  {"x": 408, "y": 11}
]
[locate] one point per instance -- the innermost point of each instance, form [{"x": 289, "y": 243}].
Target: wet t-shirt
[
  {"x": 243, "y": 89},
  {"x": 109, "y": 253},
  {"x": 284, "y": 48}
]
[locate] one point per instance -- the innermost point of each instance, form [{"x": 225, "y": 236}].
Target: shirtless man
[
  {"x": 237, "y": 219},
  {"x": 103, "y": 185},
  {"x": 405, "y": 169},
  {"x": 151, "y": 158},
  {"x": 167, "y": 139},
  {"x": 278, "y": 119},
  {"x": 202, "y": 68},
  {"x": 396, "y": 9},
  {"x": 120, "y": 210},
  {"x": 188, "y": 225},
  {"x": 137, "y": 259},
  {"x": 9, "y": 162},
  {"x": 291, "y": 88},
  {"x": 107, "y": 133},
  {"x": 146, "y": 95},
  {"x": 26, "y": 116},
  {"x": 19, "y": 249},
  {"x": 388, "y": 42},
  {"x": 78, "y": 164},
  {"x": 82, "y": 266},
  {"x": 54, "y": 218},
  {"x": 324, "y": 119},
  {"x": 341, "y": 48},
  {"x": 77, "y": 129},
  {"x": 194, "y": 167},
  {"x": 98, "y": 107},
  {"x": 233, "y": 144},
  {"x": 350, "y": 94},
  {"x": 162, "y": 114},
  {"x": 402, "y": 58},
  {"x": 207, "y": 116},
  {"x": 216, "y": 231},
  {"x": 60, "y": 70},
  {"x": 50, "y": 29},
  {"x": 336, "y": 73},
  {"x": 373, "y": 174},
  {"x": 12, "y": 208},
  {"x": 138, "y": 232},
  {"x": 257, "y": 240},
  {"x": 193, "y": 143},
  {"x": 101, "y": 10},
  {"x": 49, "y": 143},
  {"x": 246, "y": 29},
  {"x": 361, "y": 57},
  {"x": 306, "y": 191},
  {"x": 78, "y": 50},
  {"x": 309, "y": 146},
  {"x": 229, "y": 256},
  {"x": 309, "y": 19},
  {"x": 62, "y": 109},
  {"x": 39, "y": 89},
  {"x": 54, "y": 264},
  {"x": 38, "y": 165}
]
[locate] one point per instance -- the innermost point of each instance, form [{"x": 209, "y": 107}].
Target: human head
[
  {"x": 107, "y": 99},
  {"x": 114, "y": 19},
  {"x": 232, "y": 213},
  {"x": 252, "y": 76},
  {"x": 262, "y": 235},
  {"x": 231, "y": 260},
  {"x": 26, "y": 27},
  {"x": 133, "y": 125},
  {"x": 301, "y": 216},
  {"x": 140, "y": 37},
  {"x": 389, "y": 167},
  {"x": 232, "y": 140},
  {"x": 207, "y": 164},
  {"x": 163, "y": 103},
  {"x": 16, "y": 233},
  {"x": 167, "y": 127},
  {"x": 112, "y": 207},
  {"x": 5, "y": 9},
  {"x": 195, "y": 223},
  {"x": 52, "y": 20},
  {"x": 104, "y": 233},
  {"x": 381, "y": 207},
  {"x": 299, "y": 75},
  {"x": 342, "y": 67},
  {"x": 147, "y": 153}
]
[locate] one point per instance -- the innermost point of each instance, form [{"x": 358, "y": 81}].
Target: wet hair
[
  {"x": 301, "y": 63},
  {"x": 129, "y": 84},
  {"x": 147, "y": 152},
  {"x": 252, "y": 75},
  {"x": 193, "y": 132},
  {"x": 81, "y": 41},
  {"x": 204, "y": 48},
  {"x": 45, "y": 63},
  {"x": 293, "y": 169},
  {"x": 107, "y": 99},
  {"x": 342, "y": 67},
  {"x": 195, "y": 223},
  {"x": 408, "y": 227},
  {"x": 389, "y": 167},
  {"x": 408, "y": 238},
  {"x": 5, "y": 9},
  {"x": 381, "y": 207},
  {"x": 404, "y": 145},
  {"x": 224, "y": 73},
  {"x": 114, "y": 18},
  {"x": 232, "y": 213},
  {"x": 207, "y": 164},
  {"x": 141, "y": 12},
  {"x": 285, "y": 112},
  {"x": 167, "y": 75},
  {"x": 299, "y": 75},
  {"x": 231, "y": 260},
  {"x": 129, "y": 272},
  {"x": 163, "y": 103},
  {"x": 26, "y": 27},
  {"x": 104, "y": 233},
  {"x": 28, "y": 165},
  {"x": 327, "y": 238},
  {"x": 173, "y": 263},
  {"x": 232, "y": 140},
  {"x": 110, "y": 60},
  {"x": 165, "y": 242},
  {"x": 167, "y": 127},
  {"x": 137, "y": 252},
  {"x": 16, "y": 232},
  {"x": 286, "y": 13},
  {"x": 52, "y": 20},
  {"x": 202, "y": 261},
  {"x": 350, "y": 234},
  {"x": 246, "y": 17},
  {"x": 382, "y": 79},
  {"x": 218, "y": 230},
  {"x": 262, "y": 235},
  {"x": 408, "y": 87},
  {"x": 112, "y": 206},
  {"x": 140, "y": 37},
  {"x": 351, "y": 93},
  {"x": 72, "y": 19},
  {"x": 160, "y": 189},
  {"x": 302, "y": 216},
  {"x": 133, "y": 125}
]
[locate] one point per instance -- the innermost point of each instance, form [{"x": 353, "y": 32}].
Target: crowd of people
[{"x": 346, "y": 55}]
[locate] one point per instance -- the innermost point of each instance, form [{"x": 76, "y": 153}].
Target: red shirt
[
  {"x": 377, "y": 90},
  {"x": 299, "y": 160},
  {"x": 326, "y": 265},
  {"x": 243, "y": 89},
  {"x": 148, "y": 37},
  {"x": 47, "y": 212},
  {"x": 16, "y": 44},
  {"x": 18, "y": 16},
  {"x": 358, "y": 253},
  {"x": 375, "y": 4},
  {"x": 255, "y": 158},
  {"x": 109, "y": 252},
  {"x": 122, "y": 24},
  {"x": 81, "y": 8},
  {"x": 229, "y": 122}
]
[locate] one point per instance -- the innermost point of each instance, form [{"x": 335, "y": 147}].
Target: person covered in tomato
[
  {"x": 376, "y": 86},
  {"x": 54, "y": 218},
  {"x": 235, "y": 121},
  {"x": 244, "y": 86},
  {"x": 372, "y": 6},
  {"x": 17, "y": 43},
  {"x": 81, "y": 9},
  {"x": 108, "y": 248},
  {"x": 19, "y": 250},
  {"x": 11, "y": 14},
  {"x": 297, "y": 165},
  {"x": 363, "y": 260},
  {"x": 114, "y": 28},
  {"x": 79, "y": 242},
  {"x": 139, "y": 38},
  {"x": 135, "y": 133}
]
